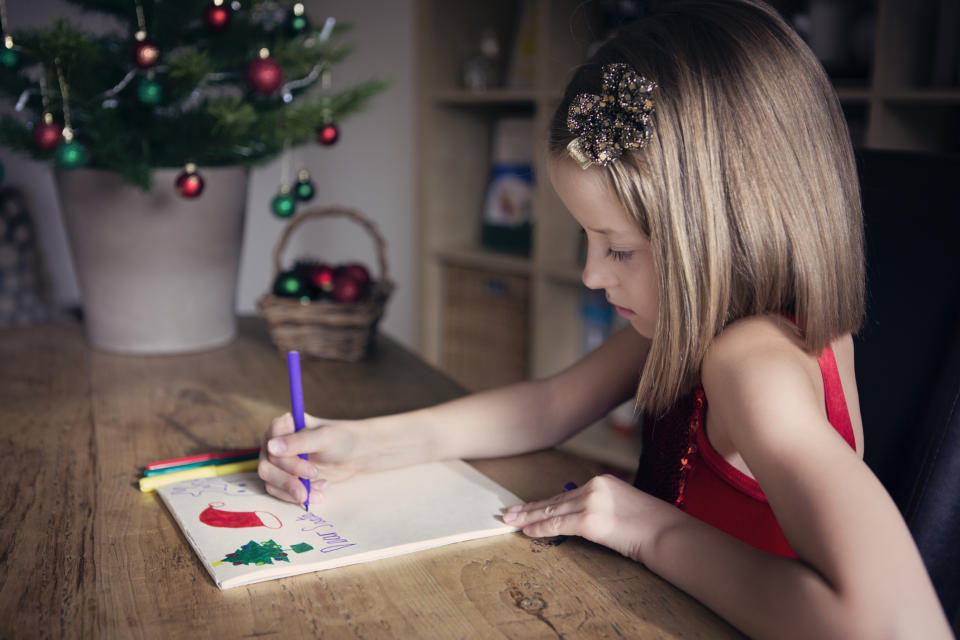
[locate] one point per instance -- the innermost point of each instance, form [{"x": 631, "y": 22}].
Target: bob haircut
[{"x": 747, "y": 188}]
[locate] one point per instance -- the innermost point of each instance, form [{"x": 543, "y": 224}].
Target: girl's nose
[{"x": 596, "y": 273}]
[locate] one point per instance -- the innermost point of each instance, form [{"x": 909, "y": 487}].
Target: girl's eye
[{"x": 619, "y": 256}]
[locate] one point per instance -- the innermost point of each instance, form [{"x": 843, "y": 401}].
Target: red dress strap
[{"x": 833, "y": 397}]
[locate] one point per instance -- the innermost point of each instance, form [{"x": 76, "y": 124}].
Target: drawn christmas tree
[{"x": 259, "y": 553}]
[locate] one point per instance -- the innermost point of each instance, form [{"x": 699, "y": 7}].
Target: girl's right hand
[{"x": 329, "y": 444}]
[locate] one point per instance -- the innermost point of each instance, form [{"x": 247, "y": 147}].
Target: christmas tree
[
  {"x": 184, "y": 83},
  {"x": 262, "y": 553}
]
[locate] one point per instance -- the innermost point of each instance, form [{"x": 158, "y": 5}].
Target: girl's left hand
[{"x": 606, "y": 510}]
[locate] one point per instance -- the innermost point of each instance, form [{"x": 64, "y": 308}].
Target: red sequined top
[{"x": 678, "y": 464}]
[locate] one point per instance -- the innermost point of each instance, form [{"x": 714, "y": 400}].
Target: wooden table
[{"x": 85, "y": 554}]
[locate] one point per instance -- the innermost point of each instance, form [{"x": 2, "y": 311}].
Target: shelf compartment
[
  {"x": 486, "y": 327},
  {"x": 557, "y": 342},
  {"x": 568, "y": 274},
  {"x": 480, "y": 258},
  {"x": 454, "y": 30}
]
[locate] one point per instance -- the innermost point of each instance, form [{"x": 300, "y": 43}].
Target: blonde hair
[{"x": 747, "y": 189}]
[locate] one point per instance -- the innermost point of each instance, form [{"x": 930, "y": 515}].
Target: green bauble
[
  {"x": 297, "y": 21},
  {"x": 149, "y": 91},
  {"x": 298, "y": 24},
  {"x": 289, "y": 285},
  {"x": 9, "y": 58},
  {"x": 70, "y": 155},
  {"x": 283, "y": 205},
  {"x": 304, "y": 190}
]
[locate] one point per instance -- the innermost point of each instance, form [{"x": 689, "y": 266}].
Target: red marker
[{"x": 202, "y": 457}]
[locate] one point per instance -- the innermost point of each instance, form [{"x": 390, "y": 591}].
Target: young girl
[{"x": 705, "y": 155}]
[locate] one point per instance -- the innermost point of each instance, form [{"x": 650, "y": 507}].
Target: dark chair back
[{"x": 908, "y": 353}]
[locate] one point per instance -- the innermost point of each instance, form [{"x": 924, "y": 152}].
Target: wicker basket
[{"x": 326, "y": 328}]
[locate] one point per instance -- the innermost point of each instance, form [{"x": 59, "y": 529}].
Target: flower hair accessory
[{"x": 611, "y": 123}]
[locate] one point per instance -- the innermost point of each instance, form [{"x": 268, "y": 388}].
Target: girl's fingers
[
  {"x": 316, "y": 489},
  {"x": 281, "y": 484},
  {"x": 280, "y": 494},
  {"x": 287, "y": 486},
  {"x": 567, "y": 524},
  {"x": 295, "y": 466},
  {"x": 270, "y": 473},
  {"x": 310, "y": 440},
  {"x": 281, "y": 425},
  {"x": 559, "y": 505}
]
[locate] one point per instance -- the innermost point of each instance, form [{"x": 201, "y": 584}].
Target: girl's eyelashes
[
  {"x": 613, "y": 254},
  {"x": 619, "y": 256}
]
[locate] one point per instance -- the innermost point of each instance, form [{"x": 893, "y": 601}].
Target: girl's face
[{"x": 619, "y": 255}]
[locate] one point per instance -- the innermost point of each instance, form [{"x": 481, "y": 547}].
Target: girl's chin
[{"x": 641, "y": 327}]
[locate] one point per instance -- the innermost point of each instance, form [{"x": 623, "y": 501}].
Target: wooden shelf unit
[{"x": 893, "y": 108}]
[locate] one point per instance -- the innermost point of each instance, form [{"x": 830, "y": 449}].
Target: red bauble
[
  {"x": 321, "y": 277},
  {"x": 189, "y": 184},
  {"x": 145, "y": 54},
  {"x": 265, "y": 75},
  {"x": 48, "y": 135},
  {"x": 346, "y": 289},
  {"x": 328, "y": 134},
  {"x": 217, "y": 17},
  {"x": 358, "y": 272}
]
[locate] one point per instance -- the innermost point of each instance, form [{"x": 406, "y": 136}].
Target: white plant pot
[{"x": 157, "y": 272}]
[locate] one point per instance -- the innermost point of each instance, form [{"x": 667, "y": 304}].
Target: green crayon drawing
[{"x": 259, "y": 553}]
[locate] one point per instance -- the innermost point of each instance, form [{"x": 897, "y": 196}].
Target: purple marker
[{"x": 296, "y": 407}]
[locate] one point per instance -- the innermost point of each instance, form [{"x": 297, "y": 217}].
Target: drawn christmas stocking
[{"x": 238, "y": 519}]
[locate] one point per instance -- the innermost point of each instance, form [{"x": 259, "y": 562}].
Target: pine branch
[
  {"x": 207, "y": 113},
  {"x": 15, "y": 135}
]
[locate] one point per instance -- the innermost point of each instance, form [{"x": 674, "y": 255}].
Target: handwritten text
[{"x": 332, "y": 541}]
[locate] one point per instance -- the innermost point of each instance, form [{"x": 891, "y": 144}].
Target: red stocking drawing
[{"x": 238, "y": 519}]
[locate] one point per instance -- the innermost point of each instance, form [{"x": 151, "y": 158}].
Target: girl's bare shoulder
[
  {"x": 756, "y": 367},
  {"x": 756, "y": 339}
]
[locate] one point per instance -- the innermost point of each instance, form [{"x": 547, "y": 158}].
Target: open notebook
[{"x": 243, "y": 535}]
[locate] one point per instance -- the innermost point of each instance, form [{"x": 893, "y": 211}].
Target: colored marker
[
  {"x": 570, "y": 486},
  {"x": 150, "y": 483},
  {"x": 296, "y": 407},
  {"x": 202, "y": 463},
  {"x": 201, "y": 457}
]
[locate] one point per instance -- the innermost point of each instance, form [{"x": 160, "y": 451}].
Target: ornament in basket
[{"x": 327, "y": 327}]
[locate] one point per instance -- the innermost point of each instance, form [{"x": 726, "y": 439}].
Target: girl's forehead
[
  {"x": 577, "y": 186},
  {"x": 587, "y": 196}
]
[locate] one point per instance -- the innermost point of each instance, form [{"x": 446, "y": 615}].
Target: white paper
[{"x": 367, "y": 517}]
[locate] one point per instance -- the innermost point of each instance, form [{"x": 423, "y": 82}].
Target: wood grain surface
[{"x": 84, "y": 554}]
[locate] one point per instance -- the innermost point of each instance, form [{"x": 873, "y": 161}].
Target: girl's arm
[
  {"x": 510, "y": 420},
  {"x": 859, "y": 573}
]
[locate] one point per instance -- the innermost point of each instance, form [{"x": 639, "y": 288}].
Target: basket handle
[{"x": 332, "y": 212}]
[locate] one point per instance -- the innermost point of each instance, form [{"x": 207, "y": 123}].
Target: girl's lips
[
  {"x": 623, "y": 311},
  {"x": 626, "y": 313}
]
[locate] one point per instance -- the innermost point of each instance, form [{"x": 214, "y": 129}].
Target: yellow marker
[{"x": 150, "y": 483}]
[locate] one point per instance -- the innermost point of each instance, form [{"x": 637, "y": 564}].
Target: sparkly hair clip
[{"x": 616, "y": 121}]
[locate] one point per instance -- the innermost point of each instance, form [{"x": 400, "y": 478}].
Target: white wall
[{"x": 370, "y": 168}]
